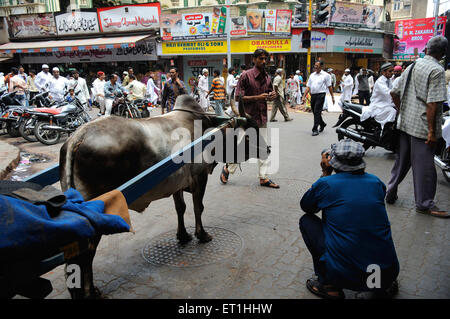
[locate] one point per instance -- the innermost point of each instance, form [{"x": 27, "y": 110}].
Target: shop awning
[{"x": 71, "y": 45}]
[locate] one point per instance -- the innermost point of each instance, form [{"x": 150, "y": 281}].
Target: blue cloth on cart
[{"x": 27, "y": 231}]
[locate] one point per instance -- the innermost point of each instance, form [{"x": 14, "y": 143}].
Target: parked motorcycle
[
  {"x": 52, "y": 122},
  {"x": 27, "y": 121},
  {"x": 11, "y": 110},
  {"x": 442, "y": 156},
  {"x": 122, "y": 107},
  {"x": 142, "y": 107},
  {"x": 368, "y": 132}
]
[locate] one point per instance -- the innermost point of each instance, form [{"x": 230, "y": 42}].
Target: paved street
[{"x": 272, "y": 260}]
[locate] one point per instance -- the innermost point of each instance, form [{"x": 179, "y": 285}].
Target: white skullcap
[
  {"x": 125, "y": 72},
  {"x": 55, "y": 69},
  {"x": 297, "y": 72},
  {"x": 347, "y": 70},
  {"x": 45, "y": 66},
  {"x": 205, "y": 70}
]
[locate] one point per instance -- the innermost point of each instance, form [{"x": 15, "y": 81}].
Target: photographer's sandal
[
  {"x": 434, "y": 211},
  {"x": 324, "y": 291},
  {"x": 224, "y": 176},
  {"x": 269, "y": 183}
]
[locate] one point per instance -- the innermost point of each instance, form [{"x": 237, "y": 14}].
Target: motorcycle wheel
[
  {"x": 130, "y": 113},
  {"x": 355, "y": 126},
  {"x": 47, "y": 137},
  {"x": 446, "y": 158},
  {"x": 27, "y": 134},
  {"x": 145, "y": 113},
  {"x": 12, "y": 131}
]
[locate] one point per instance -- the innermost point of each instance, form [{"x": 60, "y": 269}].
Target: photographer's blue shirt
[{"x": 356, "y": 228}]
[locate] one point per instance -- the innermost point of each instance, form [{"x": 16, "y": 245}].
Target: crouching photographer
[{"x": 351, "y": 245}]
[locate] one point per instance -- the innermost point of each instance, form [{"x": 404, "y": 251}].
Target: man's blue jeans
[{"x": 218, "y": 107}]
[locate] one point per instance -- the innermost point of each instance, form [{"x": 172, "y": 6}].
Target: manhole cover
[{"x": 165, "y": 250}]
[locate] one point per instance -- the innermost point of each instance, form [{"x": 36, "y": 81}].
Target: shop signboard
[
  {"x": 193, "y": 66},
  {"x": 220, "y": 46},
  {"x": 318, "y": 42},
  {"x": 145, "y": 51},
  {"x": 77, "y": 22},
  {"x": 413, "y": 35},
  {"x": 196, "y": 25},
  {"x": 355, "y": 42},
  {"x": 137, "y": 17},
  {"x": 346, "y": 14},
  {"x": 269, "y": 22},
  {"x": 31, "y": 26}
]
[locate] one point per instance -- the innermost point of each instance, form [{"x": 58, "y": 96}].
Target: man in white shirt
[
  {"x": 57, "y": 86},
  {"x": 231, "y": 85},
  {"x": 152, "y": 89},
  {"x": 318, "y": 84},
  {"x": 136, "y": 88},
  {"x": 203, "y": 89},
  {"x": 42, "y": 78},
  {"x": 79, "y": 84},
  {"x": 299, "y": 79},
  {"x": 347, "y": 86},
  {"x": 98, "y": 91}
]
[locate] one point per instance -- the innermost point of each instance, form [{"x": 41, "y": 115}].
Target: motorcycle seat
[
  {"x": 355, "y": 107},
  {"x": 48, "y": 110}
]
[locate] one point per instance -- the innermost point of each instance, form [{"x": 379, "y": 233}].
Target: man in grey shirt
[
  {"x": 363, "y": 88},
  {"x": 419, "y": 101}
]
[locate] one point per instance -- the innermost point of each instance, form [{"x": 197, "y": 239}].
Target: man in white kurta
[
  {"x": 79, "y": 84},
  {"x": 347, "y": 86},
  {"x": 57, "y": 86},
  {"x": 381, "y": 106},
  {"x": 42, "y": 78},
  {"x": 203, "y": 89},
  {"x": 152, "y": 89}
]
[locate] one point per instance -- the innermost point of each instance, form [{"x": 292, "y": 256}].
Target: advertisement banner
[
  {"x": 238, "y": 27},
  {"x": 136, "y": 17},
  {"x": 270, "y": 19},
  {"x": 141, "y": 52},
  {"x": 31, "y": 26},
  {"x": 77, "y": 22},
  {"x": 413, "y": 36},
  {"x": 171, "y": 26},
  {"x": 346, "y": 14},
  {"x": 219, "y": 18},
  {"x": 283, "y": 23}
]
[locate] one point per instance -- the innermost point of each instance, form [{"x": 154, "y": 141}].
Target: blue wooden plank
[
  {"x": 151, "y": 177},
  {"x": 45, "y": 177}
]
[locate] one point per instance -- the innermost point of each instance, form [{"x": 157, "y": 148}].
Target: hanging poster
[
  {"x": 238, "y": 27},
  {"x": 197, "y": 24},
  {"x": 31, "y": 25},
  {"x": 136, "y": 17},
  {"x": 300, "y": 20},
  {"x": 283, "y": 22},
  {"x": 371, "y": 16},
  {"x": 222, "y": 21},
  {"x": 270, "y": 18},
  {"x": 414, "y": 34},
  {"x": 171, "y": 26},
  {"x": 255, "y": 20},
  {"x": 215, "y": 20},
  {"x": 77, "y": 22},
  {"x": 346, "y": 14}
]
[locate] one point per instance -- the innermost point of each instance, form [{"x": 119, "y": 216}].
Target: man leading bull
[{"x": 256, "y": 89}]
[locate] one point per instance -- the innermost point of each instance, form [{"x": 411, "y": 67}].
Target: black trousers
[
  {"x": 317, "y": 101},
  {"x": 312, "y": 233},
  {"x": 364, "y": 96}
]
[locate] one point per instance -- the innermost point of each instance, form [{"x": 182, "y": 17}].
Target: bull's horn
[{"x": 241, "y": 106}]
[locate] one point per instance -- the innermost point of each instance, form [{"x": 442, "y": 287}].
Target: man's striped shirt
[{"x": 218, "y": 89}]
